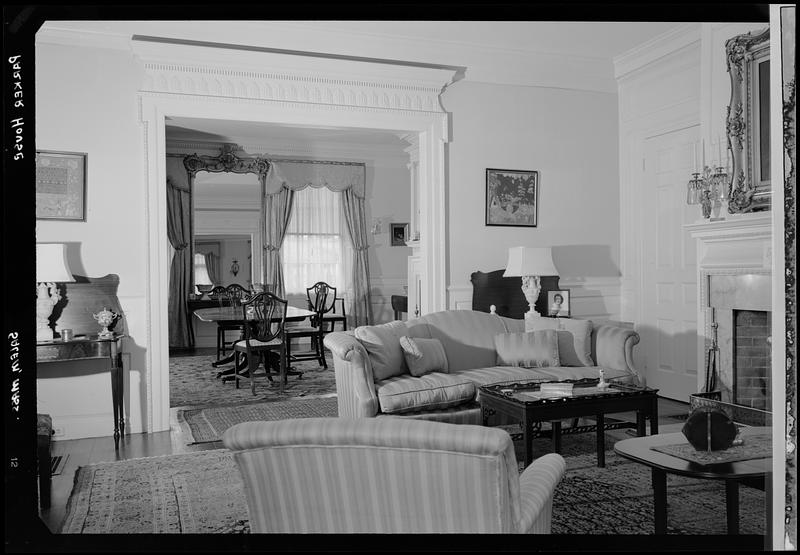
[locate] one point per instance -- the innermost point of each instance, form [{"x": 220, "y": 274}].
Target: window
[
  {"x": 200, "y": 270},
  {"x": 317, "y": 245}
]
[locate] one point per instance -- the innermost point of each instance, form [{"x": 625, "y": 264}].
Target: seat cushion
[
  {"x": 423, "y": 355},
  {"x": 255, "y": 344},
  {"x": 532, "y": 349},
  {"x": 574, "y": 338},
  {"x": 382, "y": 344},
  {"x": 437, "y": 390}
]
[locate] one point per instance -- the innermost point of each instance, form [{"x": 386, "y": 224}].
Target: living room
[{"x": 589, "y": 107}]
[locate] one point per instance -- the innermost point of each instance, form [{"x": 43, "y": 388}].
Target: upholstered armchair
[{"x": 389, "y": 475}]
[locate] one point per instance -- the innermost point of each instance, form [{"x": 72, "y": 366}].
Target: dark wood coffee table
[
  {"x": 639, "y": 449},
  {"x": 521, "y": 401}
]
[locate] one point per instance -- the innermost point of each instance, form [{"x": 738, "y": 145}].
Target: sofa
[{"x": 431, "y": 367}]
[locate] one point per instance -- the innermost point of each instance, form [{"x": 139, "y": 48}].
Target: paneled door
[{"x": 668, "y": 327}]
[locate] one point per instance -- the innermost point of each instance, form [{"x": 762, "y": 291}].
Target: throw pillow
[
  {"x": 382, "y": 343},
  {"x": 423, "y": 355},
  {"x": 574, "y": 338},
  {"x": 533, "y": 349}
]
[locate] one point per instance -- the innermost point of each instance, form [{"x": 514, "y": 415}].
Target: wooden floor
[{"x": 101, "y": 449}]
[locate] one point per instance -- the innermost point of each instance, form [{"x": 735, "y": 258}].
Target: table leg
[
  {"x": 527, "y": 435},
  {"x": 732, "y": 505},
  {"x": 556, "y": 426},
  {"x": 601, "y": 441},
  {"x": 654, "y": 416},
  {"x": 641, "y": 422},
  {"x": 659, "y": 478},
  {"x": 117, "y": 388}
]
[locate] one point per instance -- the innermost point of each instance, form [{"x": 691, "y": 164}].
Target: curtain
[
  {"x": 355, "y": 216},
  {"x": 212, "y": 267},
  {"x": 317, "y": 245},
  {"x": 276, "y": 212},
  {"x": 179, "y": 233}
]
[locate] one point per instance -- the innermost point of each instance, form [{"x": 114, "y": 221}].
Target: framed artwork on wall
[
  {"x": 558, "y": 303},
  {"x": 512, "y": 197},
  {"x": 399, "y": 235},
  {"x": 61, "y": 186}
]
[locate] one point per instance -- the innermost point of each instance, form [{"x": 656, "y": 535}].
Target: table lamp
[
  {"x": 530, "y": 263},
  {"x": 51, "y": 268}
]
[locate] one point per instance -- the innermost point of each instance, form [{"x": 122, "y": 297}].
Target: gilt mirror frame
[
  {"x": 227, "y": 161},
  {"x": 749, "y": 189}
]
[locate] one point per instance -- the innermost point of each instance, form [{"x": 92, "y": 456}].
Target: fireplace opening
[{"x": 752, "y": 358}]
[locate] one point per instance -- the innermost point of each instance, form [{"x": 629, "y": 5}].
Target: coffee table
[
  {"x": 524, "y": 403},
  {"x": 640, "y": 450}
]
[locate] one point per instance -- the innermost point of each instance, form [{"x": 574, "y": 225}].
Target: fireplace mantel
[
  {"x": 732, "y": 248},
  {"x": 736, "y": 242}
]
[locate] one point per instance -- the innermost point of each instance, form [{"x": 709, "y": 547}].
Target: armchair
[{"x": 389, "y": 475}]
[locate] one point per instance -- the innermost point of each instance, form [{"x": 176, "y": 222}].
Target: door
[{"x": 668, "y": 327}]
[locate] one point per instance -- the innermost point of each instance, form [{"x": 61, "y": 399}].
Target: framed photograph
[
  {"x": 512, "y": 197},
  {"x": 558, "y": 303},
  {"x": 61, "y": 186},
  {"x": 399, "y": 235}
]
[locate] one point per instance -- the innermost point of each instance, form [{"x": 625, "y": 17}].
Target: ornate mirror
[{"x": 747, "y": 122}]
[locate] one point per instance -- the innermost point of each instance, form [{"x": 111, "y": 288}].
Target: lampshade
[
  {"x": 51, "y": 263},
  {"x": 530, "y": 261}
]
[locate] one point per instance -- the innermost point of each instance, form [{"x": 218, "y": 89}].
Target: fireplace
[{"x": 735, "y": 308}]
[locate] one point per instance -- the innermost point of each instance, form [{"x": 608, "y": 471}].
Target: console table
[{"x": 92, "y": 347}]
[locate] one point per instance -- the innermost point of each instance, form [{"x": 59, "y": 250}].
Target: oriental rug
[
  {"x": 202, "y": 492},
  {"x": 203, "y": 425},
  {"x": 193, "y": 382}
]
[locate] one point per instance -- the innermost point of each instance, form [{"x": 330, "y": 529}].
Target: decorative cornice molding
[
  {"x": 199, "y": 70},
  {"x": 658, "y": 47}
]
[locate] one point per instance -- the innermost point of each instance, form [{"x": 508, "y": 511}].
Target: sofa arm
[
  {"x": 355, "y": 384},
  {"x": 613, "y": 347},
  {"x": 537, "y": 485}
]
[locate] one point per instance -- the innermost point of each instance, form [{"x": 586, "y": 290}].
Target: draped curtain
[
  {"x": 179, "y": 233},
  {"x": 282, "y": 179},
  {"x": 275, "y": 214},
  {"x": 212, "y": 267}
]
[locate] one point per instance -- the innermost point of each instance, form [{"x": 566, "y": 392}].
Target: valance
[{"x": 299, "y": 175}]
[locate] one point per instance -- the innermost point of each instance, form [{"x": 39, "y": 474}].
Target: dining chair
[
  {"x": 331, "y": 318},
  {"x": 321, "y": 298},
  {"x": 265, "y": 315}
]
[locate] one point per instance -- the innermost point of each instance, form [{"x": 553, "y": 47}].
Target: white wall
[
  {"x": 85, "y": 102},
  {"x": 570, "y": 138}
]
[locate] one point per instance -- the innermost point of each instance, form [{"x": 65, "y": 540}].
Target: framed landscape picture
[
  {"x": 512, "y": 197},
  {"x": 60, "y": 186}
]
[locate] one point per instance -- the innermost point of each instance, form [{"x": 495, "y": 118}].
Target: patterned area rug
[
  {"x": 202, "y": 493},
  {"x": 207, "y": 424},
  {"x": 193, "y": 382}
]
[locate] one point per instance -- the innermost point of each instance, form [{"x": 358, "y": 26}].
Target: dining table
[{"x": 235, "y": 315}]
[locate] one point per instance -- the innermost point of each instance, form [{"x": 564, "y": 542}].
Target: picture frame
[
  {"x": 399, "y": 234},
  {"x": 61, "y": 185},
  {"x": 558, "y": 307},
  {"x": 512, "y": 198}
]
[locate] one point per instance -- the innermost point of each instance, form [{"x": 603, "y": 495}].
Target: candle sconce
[{"x": 709, "y": 189}]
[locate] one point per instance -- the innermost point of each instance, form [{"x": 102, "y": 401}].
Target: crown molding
[
  {"x": 656, "y": 48},
  {"x": 50, "y": 34}
]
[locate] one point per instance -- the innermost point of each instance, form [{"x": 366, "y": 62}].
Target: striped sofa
[
  {"x": 371, "y": 380},
  {"x": 357, "y": 475}
]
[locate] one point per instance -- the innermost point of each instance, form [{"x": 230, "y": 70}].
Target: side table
[{"x": 92, "y": 347}]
